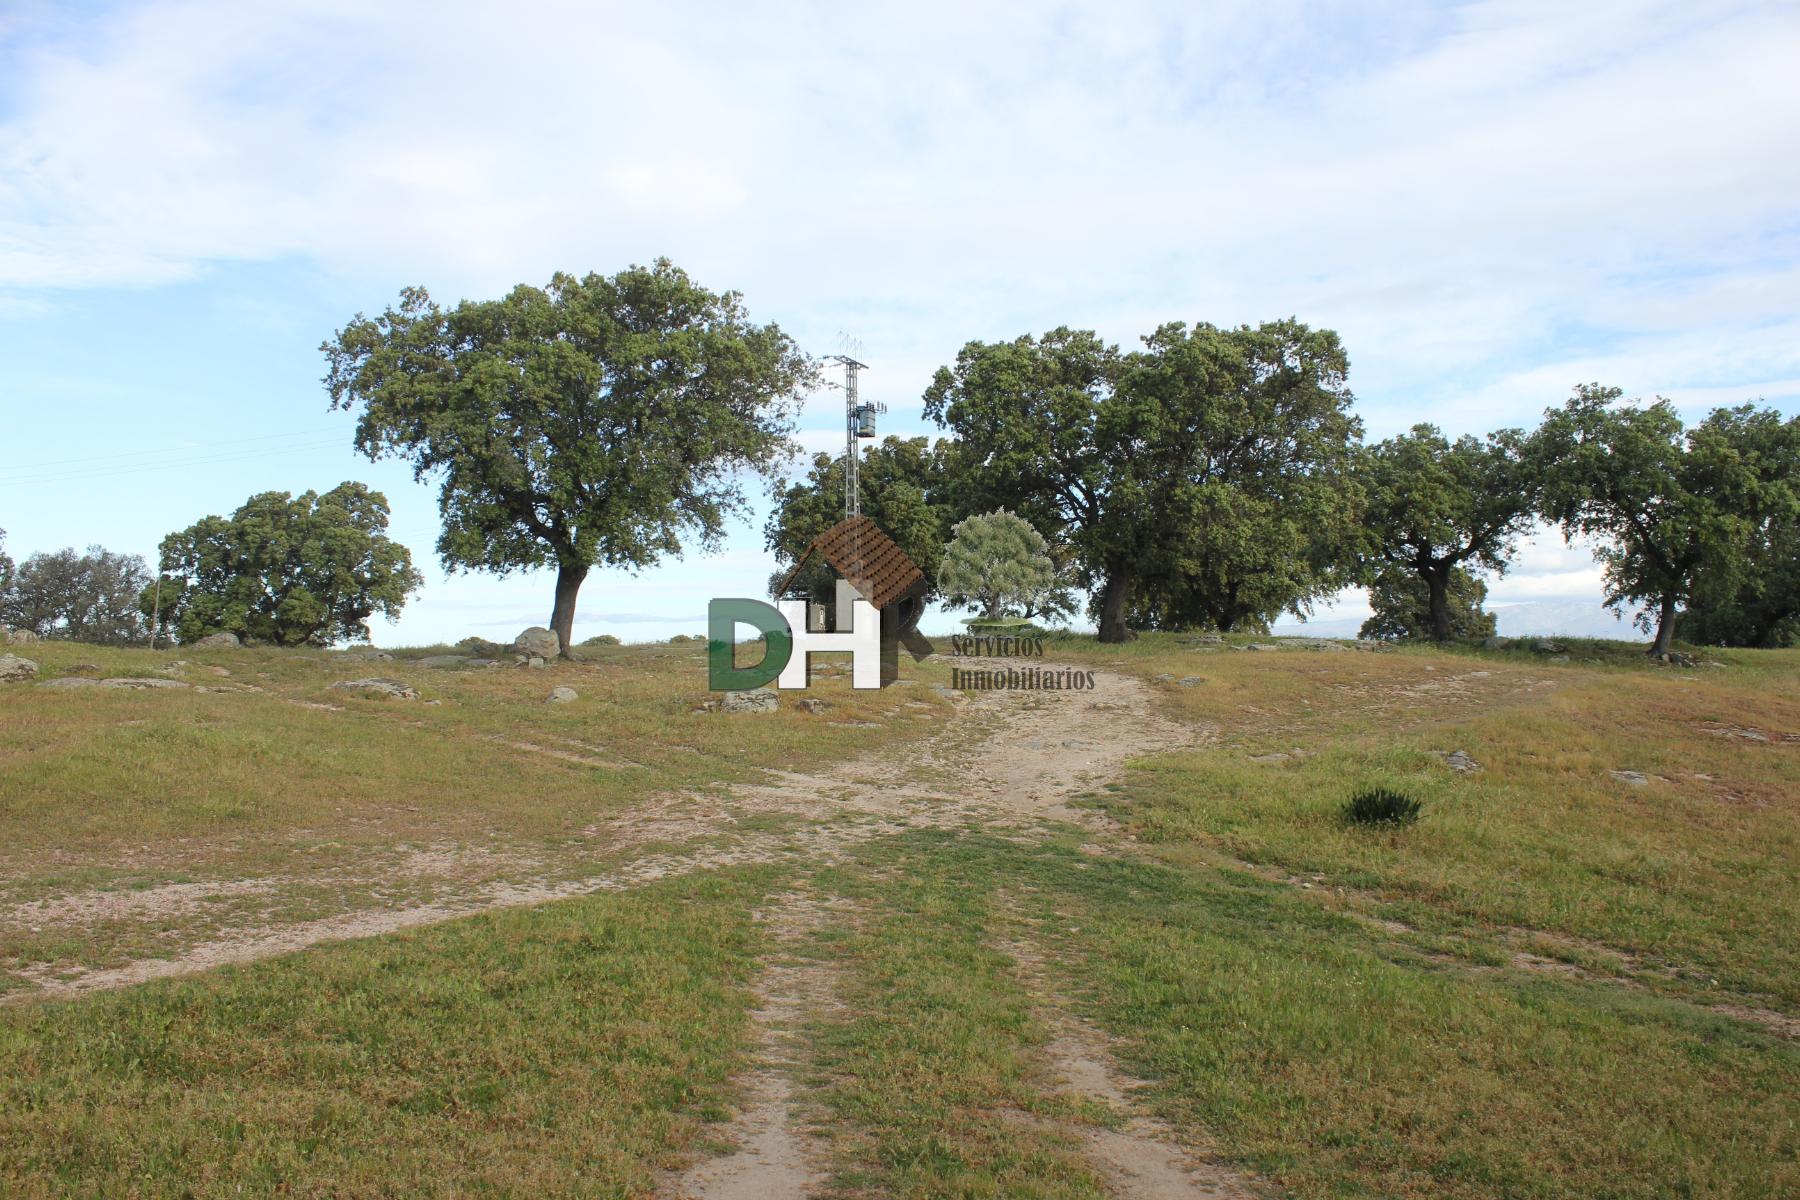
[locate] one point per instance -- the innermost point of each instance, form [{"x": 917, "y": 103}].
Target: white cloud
[{"x": 1491, "y": 202}]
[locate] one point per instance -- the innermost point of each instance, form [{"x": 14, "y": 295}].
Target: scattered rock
[
  {"x": 1561, "y": 658},
  {"x": 1676, "y": 658},
  {"x": 441, "y": 662},
  {"x": 1269, "y": 758},
  {"x": 813, "y": 704},
  {"x": 537, "y": 642},
  {"x": 377, "y": 689},
  {"x": 562, "y": 695},
  {"x": 486, "y": 664},
  {"x": 1546, "y": 646},
  {"x": 1262, "y": 646},
  {"x": 1495, "y": 643},
  {"x": 14, "y": 669},
  {"x": 535, "y": 663},
  {"x": 1634, "y": 778},
  {"x": 1190, "y": 681},
  {"x": 1165, "y": 677},
  {"x": 757, "y": 700},
  {"x": 20, "y": 637},
  {"x": 223, "y": 640},
  {"x": 1460, "y": 761},
  {"x": 1211, "y": 639},
  {"x": 1477, "y": 675},
  {"x": 82, "y": 669},
  {"x": 72, "y": 682},
  {"x": 368, "y": 654}
]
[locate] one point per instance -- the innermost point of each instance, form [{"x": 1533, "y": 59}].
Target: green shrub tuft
[{"x": 1381, "y": 806}]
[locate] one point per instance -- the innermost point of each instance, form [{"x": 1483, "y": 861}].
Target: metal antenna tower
[{"x": 859, "y": 422}]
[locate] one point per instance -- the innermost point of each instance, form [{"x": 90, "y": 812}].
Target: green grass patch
[{"x": 571, "y": 1049}]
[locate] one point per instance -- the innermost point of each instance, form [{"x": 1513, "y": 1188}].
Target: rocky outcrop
[
  {"x": 222, "y": 640},
  {"x": 377, "y": 689},
  {"x": 14, "y": 669},
  {"x": 72, "y": 683},
  {"x": 442, "y": 662},
  {"x": 756, "y": 700},
  {"x": 537, "y": 642}
]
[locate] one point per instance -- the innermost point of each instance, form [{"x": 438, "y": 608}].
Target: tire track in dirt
[
  {"x": 1008, "y": 759},
  {"x": 775, "y": 1154},
  {"x": 1139, "y": 1155}
]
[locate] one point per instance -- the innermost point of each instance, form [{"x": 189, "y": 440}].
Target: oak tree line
[{"x": 1210, "y": 477}]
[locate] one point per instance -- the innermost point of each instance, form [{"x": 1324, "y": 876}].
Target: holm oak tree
[{"x": 593, "y": 422}]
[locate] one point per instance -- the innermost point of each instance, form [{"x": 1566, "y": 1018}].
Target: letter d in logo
[{"x": 722, "y": 619}]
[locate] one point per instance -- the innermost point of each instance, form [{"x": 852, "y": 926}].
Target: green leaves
[
  {"x": 1679, "y": 514},
  {"x": 1173, "y": 470},
  {"x": 288, "y": 570},
  {"x": 906, "y": 486},
  {"x": 598, "y": 420},
  {"x": 997, "y": 562},
  {"x": 1435, "y": 508}
]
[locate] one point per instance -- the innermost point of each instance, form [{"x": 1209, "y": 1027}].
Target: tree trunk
[
  {"x": 1438, "y": 581},
  {"x": 562, "y": 617},
  {"x": 1114, "y": 598},
  {"x": 1665, "y": 627}
]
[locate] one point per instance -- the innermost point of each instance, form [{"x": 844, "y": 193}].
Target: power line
[
  {"x": 197, "y": 447},
  {"x": 98, "y": 470}
]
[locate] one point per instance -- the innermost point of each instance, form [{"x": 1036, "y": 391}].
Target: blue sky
[{"x": 1491, "y": 203}]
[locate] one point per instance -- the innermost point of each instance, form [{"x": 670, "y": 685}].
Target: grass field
[{"x": 1575, "y": 975}]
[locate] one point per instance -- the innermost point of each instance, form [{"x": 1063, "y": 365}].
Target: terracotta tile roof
[{"x": 866, "y": 557}]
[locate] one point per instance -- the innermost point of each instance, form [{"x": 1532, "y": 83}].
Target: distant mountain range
[{"x": 1536, "y": 618}]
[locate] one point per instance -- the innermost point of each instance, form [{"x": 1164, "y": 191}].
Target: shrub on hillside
[{"x": 1381, "y": 806}]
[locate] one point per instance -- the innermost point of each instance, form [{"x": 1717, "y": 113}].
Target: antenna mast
[{"x": 859, "y": 422}]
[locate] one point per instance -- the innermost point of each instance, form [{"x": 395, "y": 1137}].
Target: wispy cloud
[{"x": 1492, "y": 201}]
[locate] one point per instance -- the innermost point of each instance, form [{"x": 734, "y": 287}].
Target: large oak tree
[
  {"x": 1188, "y": 457},
  {"x": 290, "y": 570},
  {"x": 594, "y": 422},
  {"x": 1676, "y": 512},
  {"x": 1432, "y": 507}
]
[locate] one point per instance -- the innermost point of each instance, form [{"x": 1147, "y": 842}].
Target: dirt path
[
  {"x": 774, "y": 1155},
  {"x": 1006, "y": 758}
]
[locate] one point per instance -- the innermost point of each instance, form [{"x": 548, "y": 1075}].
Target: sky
[{"x": 1490, "y": 202}]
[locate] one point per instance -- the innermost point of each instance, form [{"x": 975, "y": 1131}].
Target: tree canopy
[
  {"x": 1174, "y": 468},
  {"x": 1676, "y": 513},
  {"x": 1432, "y": 507},
  {"x": 597, "y": 421},
  {"x": 84, "y": 597},
  {"x": 288, "y": 570},
  {"x": 1764, "y": 609},
  {"x": 997, "y": 562}
]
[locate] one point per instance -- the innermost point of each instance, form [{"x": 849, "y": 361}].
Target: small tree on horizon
[
  {"x": 80, "y": 596},
  {"x": 1403, "y": 611},
  {"x": 997, "y": 561}
]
